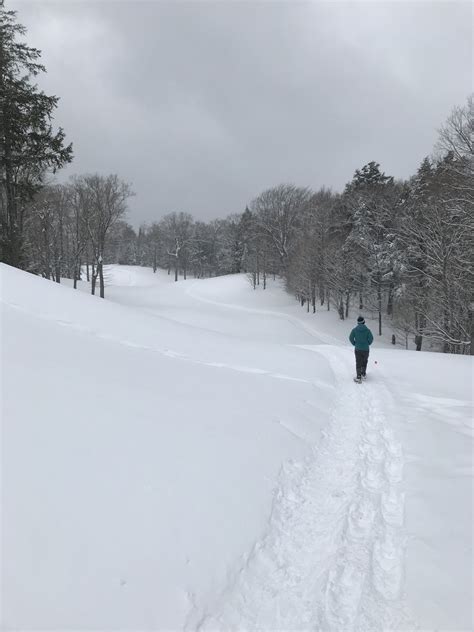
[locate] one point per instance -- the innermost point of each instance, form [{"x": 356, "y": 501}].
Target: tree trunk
[
  {"x": 47, "y": 262},
  {"x": 348, "y": 299},
  {"x": 341, "y": 307},
  {"x": 75, "y": 274},
  {"x": 471, "y": 326},
  {"x": 418, "y": 336},
  {"x": 61, "y": 248},
  {"x": 257, "y": 266},
  {"x": 265, "y": 268},
  {"x": 379, "y": 304},
  {"x": 57, "y": 257},
  {"x": 100, "y": 267},
  {"x": 390, "y": 300},
  {"x": 93, "y": 279},
  {"x": 8, "y": 197}
]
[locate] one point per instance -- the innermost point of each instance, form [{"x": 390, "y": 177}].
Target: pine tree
[
  {"x": 28, "y": 144},
  {"x": 369, "y": 176},
  {"x": 371, "y": 199}
]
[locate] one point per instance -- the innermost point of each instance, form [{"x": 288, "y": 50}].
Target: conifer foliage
[{"x": 29, "y": 146}]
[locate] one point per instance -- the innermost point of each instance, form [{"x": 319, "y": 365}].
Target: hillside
[{"x": 196, "y": 456}]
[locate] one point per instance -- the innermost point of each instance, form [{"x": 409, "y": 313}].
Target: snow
[{"x": 195, "y": 455}]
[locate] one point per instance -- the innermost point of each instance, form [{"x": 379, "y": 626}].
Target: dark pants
[{"x": 362, "y": 358}]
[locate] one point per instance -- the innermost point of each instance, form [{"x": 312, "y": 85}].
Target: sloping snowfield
[{"x": 196, "y": 456}]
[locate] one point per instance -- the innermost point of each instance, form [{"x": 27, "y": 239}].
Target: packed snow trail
[{"x": 333, "y": 554}]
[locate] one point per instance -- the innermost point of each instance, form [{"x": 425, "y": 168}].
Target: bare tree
[
  {"x": 278, "y": 212},
  {"x": 177, "y": 233},
  {"x": 107, "y": 202},
  {"x": 457, "y": 134}
]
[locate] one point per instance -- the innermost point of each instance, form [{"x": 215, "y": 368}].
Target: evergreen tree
[
  {"x": 28, "y": 145},
  {"x": 371, "y": 198},
  {"x": 369, "y": 176}
]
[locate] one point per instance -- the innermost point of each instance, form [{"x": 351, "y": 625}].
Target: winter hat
[{"x": 361, "y": 320}]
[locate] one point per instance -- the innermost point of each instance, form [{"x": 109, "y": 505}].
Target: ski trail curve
[
  {"x": 294, "y": 320},
  {"x": 332, "y": 557}
]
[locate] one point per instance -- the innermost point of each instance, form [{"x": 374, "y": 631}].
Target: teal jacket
[{"x": 361, "y": 337}]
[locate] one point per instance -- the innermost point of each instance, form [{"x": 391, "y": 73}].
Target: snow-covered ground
[{"x": 195, "y": 456}]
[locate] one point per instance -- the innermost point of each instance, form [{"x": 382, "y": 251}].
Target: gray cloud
[{"x": 202, "y": 105}]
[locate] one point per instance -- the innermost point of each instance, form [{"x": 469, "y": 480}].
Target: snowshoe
[
  {"x": 358, "y": 380},
  {"x": 364, "y": 377}
]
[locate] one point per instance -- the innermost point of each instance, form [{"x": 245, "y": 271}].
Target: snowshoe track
[{"x": 332, "y": 557}]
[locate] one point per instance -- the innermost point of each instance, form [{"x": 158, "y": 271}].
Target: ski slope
[{"x": 195, "y": 456}]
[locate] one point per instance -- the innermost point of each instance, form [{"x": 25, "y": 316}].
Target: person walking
[{"x": 361, "y": 338}]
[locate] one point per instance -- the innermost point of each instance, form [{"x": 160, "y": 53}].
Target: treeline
[{"x": 400, "y": 249}]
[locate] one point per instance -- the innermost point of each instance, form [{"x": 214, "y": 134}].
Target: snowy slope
[{"x": 196, "y": 456}]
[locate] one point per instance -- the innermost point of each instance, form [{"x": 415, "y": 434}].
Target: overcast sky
[{"x": 202, "y": 105}]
